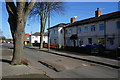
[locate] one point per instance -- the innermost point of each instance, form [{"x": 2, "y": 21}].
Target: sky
[{"x": 82, "y": 10}]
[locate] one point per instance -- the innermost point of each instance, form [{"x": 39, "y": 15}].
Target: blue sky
[{"x": 82, "y": 10}]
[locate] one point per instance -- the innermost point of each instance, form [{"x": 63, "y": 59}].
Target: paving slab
[{"x": 14, "y": 71}]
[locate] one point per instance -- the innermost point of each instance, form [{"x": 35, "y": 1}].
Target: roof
[
  {"x": 27, "y": 34},
  {"x": 38, "y": 34},
  {"x": 7, "y": 39},
  {"x": 95, "y": 19},
  {"x": 59, "y": 25}
]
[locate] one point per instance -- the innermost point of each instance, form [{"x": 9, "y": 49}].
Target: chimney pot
[
  {"x": 73, "y": 19},
  {"x": 98, "y": 12}
]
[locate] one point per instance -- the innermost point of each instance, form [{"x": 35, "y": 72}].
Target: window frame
[
  {"x": 118, "y": 24},
  {"x": 86, "y": 29},
  {"x": 93, "y": 28},
  {"x": 101, "y": 28},
  {"x": 79, "y": 30}
]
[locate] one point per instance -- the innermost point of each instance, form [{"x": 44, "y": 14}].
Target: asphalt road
[
  {"x": 63, "y": 67},
  {"x": 68, "y": 67}
]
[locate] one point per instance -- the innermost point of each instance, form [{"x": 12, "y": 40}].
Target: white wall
[
  {"x": 111, "y": 32},
  {"x": 37, "y": 38},
  {"x": 57, "y": 38}
]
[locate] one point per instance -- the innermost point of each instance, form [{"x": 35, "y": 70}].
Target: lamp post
[{"x": 49, "y": 30}]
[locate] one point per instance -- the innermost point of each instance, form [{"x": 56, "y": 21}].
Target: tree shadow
[{"x": 5, "y": 61}]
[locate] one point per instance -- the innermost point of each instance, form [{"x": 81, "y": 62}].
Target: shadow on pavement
[{"x": 5, "y": 61}]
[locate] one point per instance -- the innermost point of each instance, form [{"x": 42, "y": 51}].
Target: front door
[{"x": 89, "y": 40}]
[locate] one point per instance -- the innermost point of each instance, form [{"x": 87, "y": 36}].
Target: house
[
  {"x": 35, "y": 38},
  {"x": 27, "y": 39},
  {"x": 101, "y": 29},
  {"x": 57, "y": 34},
  {"x": 6, "y": 40}
]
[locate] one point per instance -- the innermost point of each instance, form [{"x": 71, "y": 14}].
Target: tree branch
[
  {"x": 30, "y": 6},
  {"x": 11, "y": 8}
]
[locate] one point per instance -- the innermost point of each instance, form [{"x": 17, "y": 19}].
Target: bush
[
  {"x": 35, "y": 44},
  {"x": 77, "y": 49}
]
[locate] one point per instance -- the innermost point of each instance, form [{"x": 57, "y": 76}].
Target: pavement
[
  {"x": 16, "y": 71},
  {"x": 89, "y": 58}
]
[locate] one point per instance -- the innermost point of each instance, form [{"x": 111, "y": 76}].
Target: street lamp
[{"x": 49, "y": 30}]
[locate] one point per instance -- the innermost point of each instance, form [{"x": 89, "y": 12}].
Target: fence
[{"x": 54, "y": 46}]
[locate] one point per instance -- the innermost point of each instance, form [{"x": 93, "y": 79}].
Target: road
[{"x": 63, "y": 67}]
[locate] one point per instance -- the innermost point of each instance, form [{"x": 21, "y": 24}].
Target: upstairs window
[
  {"x": 86, "y": 29},
  {"x": 70, "y": 31},
  {"x": 101, "y": 27},
  {"x": 79, "y": 30},
  {"x": 66, "y": 31},
  {"x": 55, "y": 32},
  {"x": 61, "y": 31},
  {"x": 118, "y": 24},
  {"x": 93, "y": 28}
]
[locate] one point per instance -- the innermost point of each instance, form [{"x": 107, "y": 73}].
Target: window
[
  {"x": 118, "y": 24},
  {"x": 80, "y": 42},
  {"x": 111, "y": 41},
  {"x": 55, "y": 42},
  {"x": 101, "y": 40},
  {"x": 86, "y": 29},
  {"x": 93, "y": 28},
  {"x": 79, "y": 29},
  {"x": 55, "y": 32},
  {"x": 90, "y": 40},
  {"x": 61, "y": 31},
  {"x": 51, "y": 32},
  {"x": 70, "y": 31},
  {"x": 66, "y": 31},
  {"x": 101, "y": 27}
]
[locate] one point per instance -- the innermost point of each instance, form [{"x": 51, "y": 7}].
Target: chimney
[
  {"x": 98, "y": 12},
  {"x": 73, "y": 19}
]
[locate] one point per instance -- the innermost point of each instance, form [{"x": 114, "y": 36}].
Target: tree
[
  {"x": 17, "y": 20},
  {"x": 43, "y": 9},
  {"x": 2, "y": 37}
]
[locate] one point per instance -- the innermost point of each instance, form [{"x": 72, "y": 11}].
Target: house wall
[
  {"x": 34, "y": 39},
  {"x": 95, "y": 35},
  {"x": 68, "y": 34},
  {"x": 111, "y": 31},
  {"x": 58, "y": 37},
  {"x": 54, "y": 35}
]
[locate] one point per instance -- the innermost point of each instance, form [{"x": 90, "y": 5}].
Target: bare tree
[
  {"x": 43, "y": 9},
  {"x": 17, "y": 20}
]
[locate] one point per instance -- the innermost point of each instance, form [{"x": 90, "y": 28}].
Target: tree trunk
[
  {"x": 41, "y": 40},
  {"x": 18, "y": 48},
  {"x": 43, "y": 23},
  {"x": 19, "y": 39},
  {"x": 17, "y": 19}
]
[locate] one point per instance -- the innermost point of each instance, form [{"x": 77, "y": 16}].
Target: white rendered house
[
  {"x": 57, "y": 34},
  {"x": 35, "y": 38},
  {"x": 101, "y": 28}
]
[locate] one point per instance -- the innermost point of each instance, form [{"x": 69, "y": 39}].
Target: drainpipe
[
  {"x": 64, "y": 37},
  {"x": 77, "y": 35},
  {"x": 49, "y": 31},
  {"x": 105, "y": 36}
]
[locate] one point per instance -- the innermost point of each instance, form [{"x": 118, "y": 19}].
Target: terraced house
[{"x": 101, "y": 29}]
